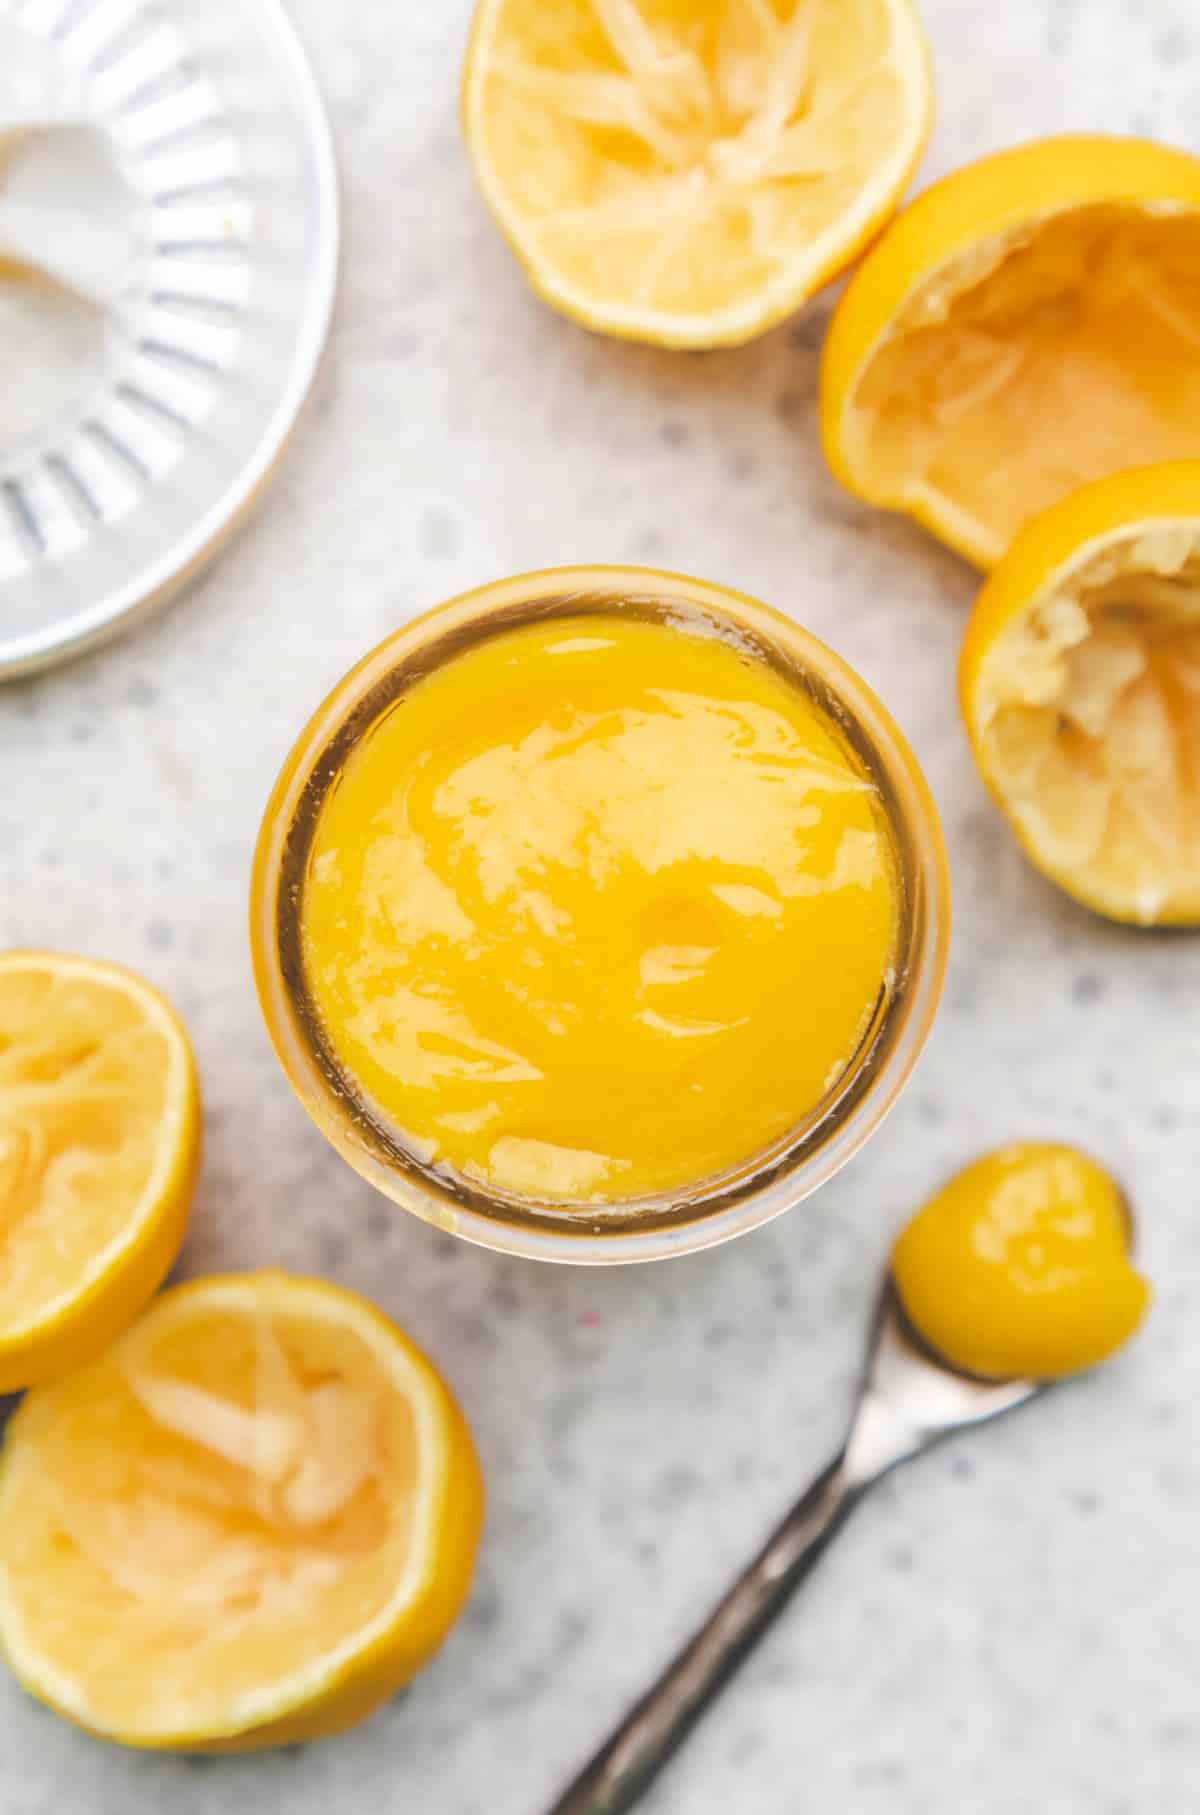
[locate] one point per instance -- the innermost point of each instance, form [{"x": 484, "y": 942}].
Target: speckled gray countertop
[{"x": 1014, "y": 1623}]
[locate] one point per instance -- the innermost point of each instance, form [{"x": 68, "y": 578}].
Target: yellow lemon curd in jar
[
  {"x": 602, "y": 907},
  {"x": 1020, "y": 1265}
]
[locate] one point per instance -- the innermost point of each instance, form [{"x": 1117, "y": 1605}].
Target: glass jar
[{"x": 714, "y": 1209}]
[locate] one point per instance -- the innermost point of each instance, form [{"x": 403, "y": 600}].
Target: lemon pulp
[
  {"x": 1093, "y": 728},
  {"x": 1019, "y": 1267},
  {"x": 83, "y": 1091},
  {"x": 601, "y": 907},
  {"x": 259, "y": 1506},
  {"x": 686, "y": 171},
  {"x": 1044, "y": 358}
]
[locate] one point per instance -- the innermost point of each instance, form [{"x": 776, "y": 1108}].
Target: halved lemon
[
  {"x": 688, "y": 172},
  {"x": 247, "y": 1524},
  {"x": 1028, "y": 325},
  {"x": 99, "y": 1143},
  {"x": 1080, "y": 687}
]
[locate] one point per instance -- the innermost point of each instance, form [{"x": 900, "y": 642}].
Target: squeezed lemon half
[
  {"x": 248, "y": 1523},
  {"x": 99, "y": 1142},
  {"x": 1028, "y": 325},
  {"x": 1080, "y": 688},
  {"x": 687, "y": 172}
]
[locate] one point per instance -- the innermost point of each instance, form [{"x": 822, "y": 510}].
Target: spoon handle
[{"x": 657, "y": 1726}]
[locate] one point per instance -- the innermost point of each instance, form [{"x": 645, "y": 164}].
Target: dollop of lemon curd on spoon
[
  {"x": 601, "y": 908},
  {"x": 1020, "y": 1266}
]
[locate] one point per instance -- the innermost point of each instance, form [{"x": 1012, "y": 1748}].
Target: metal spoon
[{"x": 909, "y": 1399}]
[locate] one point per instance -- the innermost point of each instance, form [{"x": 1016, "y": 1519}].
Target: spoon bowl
[{"x": 911, "y": 1396}]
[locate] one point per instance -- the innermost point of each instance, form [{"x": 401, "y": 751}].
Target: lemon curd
[
  {"x": 601, "y": 907},
  {"x": 1020, "y": 1265}
]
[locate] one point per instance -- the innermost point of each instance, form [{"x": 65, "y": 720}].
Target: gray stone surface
[{"x": 1013, "y": 1624}]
